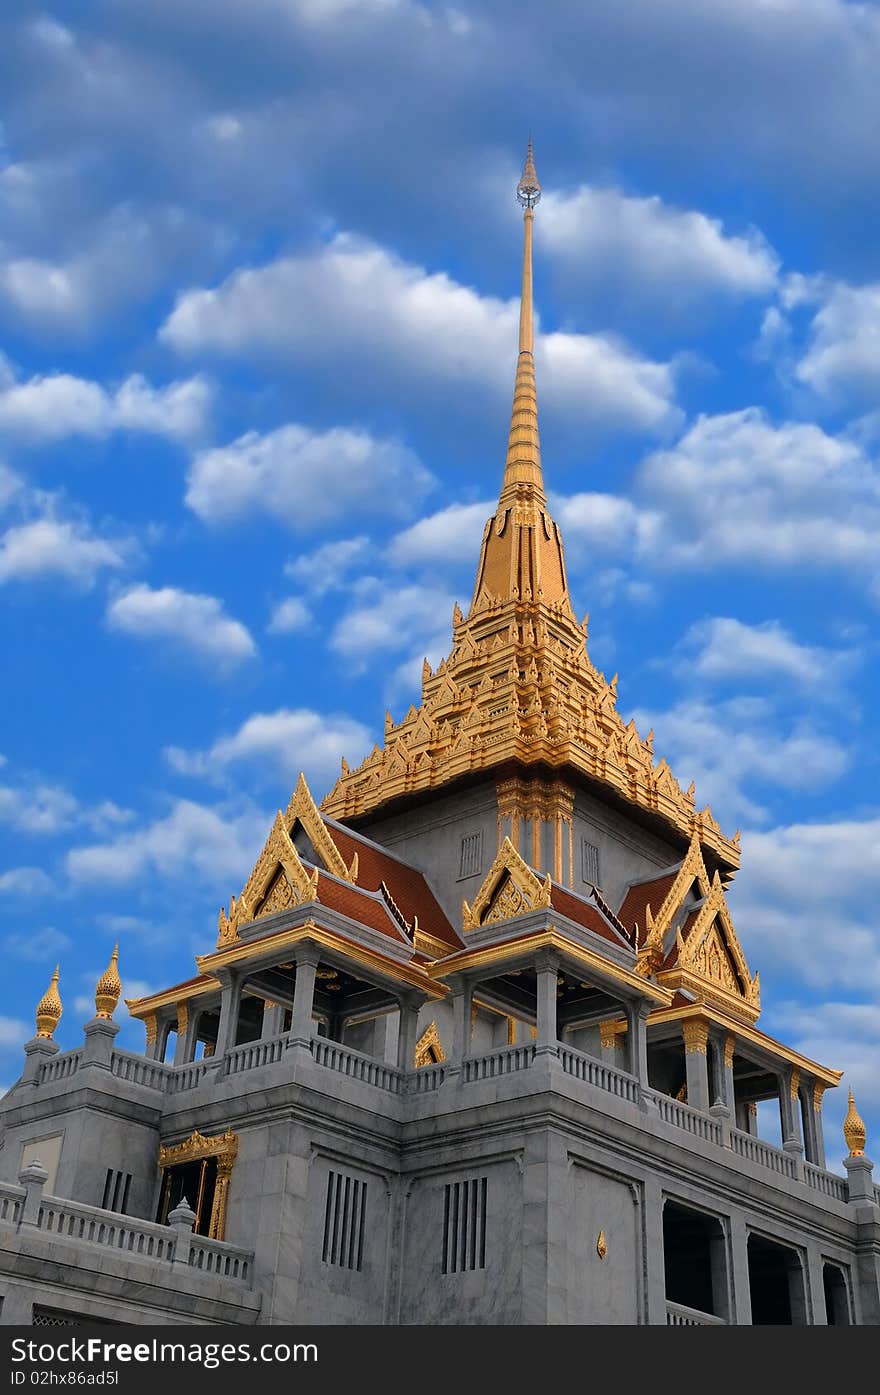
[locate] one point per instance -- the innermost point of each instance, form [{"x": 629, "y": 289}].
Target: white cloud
[
  {"x": 52, "y": 547},
  {"x": 289, "y": 616},
  {"x": 305, "y": 478},
  {"x": 192, "y": 623},
  {"x": 842, "y": 358},
  {"x": 733, "y": 747},
  {"x": 326, "y": 568},
  {"x": 10, "y": 485},
  {"x": 450, "y": 535},
  {"x": 33, "y": 805},
  {"x": 37, "y": 946},
  {"x": 53, "y": 407},
  {"x": 723, "y": 647},
  {"x": 14, "y": 1032},
  {"x": 643, "y": 248},
  {"x": 283, "y": 742},
  {"x": 216, "y": 844},
  {"x": 387, "y": 619},
  {"x": 598, "y": 521},
  {"x": 354, "y": 307},
  {"x": 24, "y": 881}
]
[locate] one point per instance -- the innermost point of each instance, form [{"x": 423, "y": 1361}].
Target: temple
[{"x": 477, "y": 1041}]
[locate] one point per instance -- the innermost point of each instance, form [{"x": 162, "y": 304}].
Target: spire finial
[
  {"x": 528, "y": 190},
  {"x": 523, "y": 464},
  {"x": 49, "y": 1008},
  {"x": 108, "y": 987},
  {"x": 854, "y": 1130}
]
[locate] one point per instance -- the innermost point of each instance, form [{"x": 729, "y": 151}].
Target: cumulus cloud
[
  {"x": 355, "y": 304},
  {"x": 33, "y": 805},
  {"x": 289, "y": 616},
  {"x": 842, "y": 358},
  {"x": 723, "y": 648},
  {"x": 733, "y": 748},
  {"x": 305, "y": 478},
  {"x": 13, "y": 1032},
  {"x": 61, "y": 549},
  {"x": 283, "y": 742},
  {"x": 37, "y": 946},
  {"x": 24, "y": 881},
  {"x": 50, "y": 408},
  {"x": 450, "y": 535},
  {"x": 327, "y": 568},
  {"x": 645, "y": 250},
  {"x": 387, "y": 619},
  {"x": 190, "y": 623},
  {"x": 217, "y": 844}
]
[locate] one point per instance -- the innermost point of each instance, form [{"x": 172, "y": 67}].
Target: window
[
  {"x": 471, "y": 855},
  {"x": 116, "y": 1188},
  {"x": 589, "y": 862},
  {"x": 344, "y": 1216},
  {"x": 464, "y": 1225}
]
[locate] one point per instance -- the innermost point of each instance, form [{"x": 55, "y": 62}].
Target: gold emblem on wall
[{"x": 601, "y": 1245}]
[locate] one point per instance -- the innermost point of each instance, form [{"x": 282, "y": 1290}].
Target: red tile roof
[
  {"x": 407, "y": 886},
  {"x": 648, "y": 893},
  {"x": 583, "y": 913}
]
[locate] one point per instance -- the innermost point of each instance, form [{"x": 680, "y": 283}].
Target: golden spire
[
  {"x": 49, "y": 1008},
  {"x": 523, "y": 464},
  {"x": 108, "y": 987},
  {"x": 854, "y": 1130}
]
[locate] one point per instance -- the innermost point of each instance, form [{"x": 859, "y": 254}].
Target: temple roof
[{"x": 518, "y": 688}]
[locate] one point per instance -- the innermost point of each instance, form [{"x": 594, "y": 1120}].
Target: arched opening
[
  {"x": 694, "y": 1261},
  {"x": 776, "y": 1284},
  {"x": 836, "y": 1296}
]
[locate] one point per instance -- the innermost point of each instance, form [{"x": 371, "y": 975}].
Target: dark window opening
[
  {"x": 776, "y": 1284},
  {"x": 344, "y": 1218},
  {"x": 836, "y": 1296},
  {"x": 116, "y": 1189},
  {"x": 464, "y": 1225},
  {"x": 196, "y": 1181},
  {"x": 693, "y": 1257}
]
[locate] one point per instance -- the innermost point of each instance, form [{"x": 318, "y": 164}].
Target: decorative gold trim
[
  {"x": 601, "y": 1245},
  {"x": 747, "y": 1033},
  {"x": 854, "y": 1130},
  {"x": 49, "y": 1008},
  {"x": 303, "y": 809},
  {"x": 608, "y": 1033},
  {"x": 696, "y": 1035},
  {"x": 522, "y": 891},
  {"x": 109, "y": 987},
  {"x": 794, "y": 1082},
  {"x": 204, "y": 985},
  {"x": 428, "y": 944},
  {"x": 223, "y": 1147},
  {"x": 729, "y": 1050},
  {"x": 427, "y": 1043},
  {"x": 704, "y": 954},
  {"x": 278, "y": 852},
  {"x": 182, "y": 1018},
  {"x": 818, "y": 1091},
  {"x": 151, "y": 1026}
]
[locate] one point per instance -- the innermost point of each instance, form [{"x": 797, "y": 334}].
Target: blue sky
[{"x": 259, "y": 262}]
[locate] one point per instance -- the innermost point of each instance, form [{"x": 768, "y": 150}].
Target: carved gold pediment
[
  {"x": 278, "y": 854},
  {"x": 303, "y": 810},
  {"x": 710, "y": 960},
  {"x": 429, "y": 1048},
  {"x": 511, "y": 888}
]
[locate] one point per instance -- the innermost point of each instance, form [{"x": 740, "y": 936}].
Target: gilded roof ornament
[
  {"x": 854, "y": 1130},
  {"x": 109, "y": 987},
  {"x": 49, "y": 1008}
]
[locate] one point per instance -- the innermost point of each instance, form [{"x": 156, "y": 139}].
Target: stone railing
[
  {"x": 252, "y": 1054},
  {"x": 504, "y": 1061},
  {"x": 187, "y": 1077},
  {"x": 756, "y": 1150},
  {"x": 216, "y": 1257},
  {"x": 97, "y": 1227},
  {"x": 828, "y": 1183},
  {"x": 425, "y": 1078},
  {"x": 59, "y": 1067},
  {"x": 139, "y": 1070},
  {"x": 356, "y": 1065},
  {"x": 595, "y": 1072},
  {"x": 677, "y": 1315},
  {"x": 682, "y": 1116},
  {"x": 11, "y": 1201}
]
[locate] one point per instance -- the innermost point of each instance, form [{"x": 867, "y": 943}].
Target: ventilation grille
[
  {"x": 590, "y": 862},
  {"x": 464, "y": 1225},
  {"x": 116, "y": 1189},
  {"x": 471, "y": 855},
  {"x": 344, "y": 1217}
]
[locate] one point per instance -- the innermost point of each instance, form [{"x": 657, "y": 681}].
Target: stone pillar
[
  {"x": 307, "y": 957},
  {"x": 151, "y": 1027},
  {"x": 696, "y": 1037},
  {"x": 608, "y": 1043},
  {"x": 187, "y": 1024},
  {"x": 741, "y": 1297},
  {"x": 859, "y": 1178},
  {"x": 817, "y": 1313},
  {"x": 36, "y": 1051},
  {"x": 230, "y": 1003},
  {"x": 181, "y": 1220},
  {"x": 789, "y": 1109},
  {"x": 637, "y": 1038},
  {"x": 410, "y": 1005},
  {"x": 655, "y": 1274},
  {"x": 817, "y": 1131},
  {"x": 462, "y": 1000},
  {"x": 98, "y": 1048},
  {"x": 33, "y": 1178},
  {"x": 273, "y": 1019},
  {"x": 546, "y": 1040}
]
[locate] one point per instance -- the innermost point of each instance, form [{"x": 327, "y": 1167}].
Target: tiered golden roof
[{"x": 518, "y": 686}]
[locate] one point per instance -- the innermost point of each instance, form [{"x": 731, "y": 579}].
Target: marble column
[
  {"x": 230, "y": 1005},
  {"x": 546, "y": 1039},
  {"x": 307, "y": 957},
  {"x": 637, "y": 1037},
  {"x": 696, "y": 1037},
  {"x": 410, "y": 1005},
  {"x": 789, "y": 1109},
  {"x": 462, "y": 999}
]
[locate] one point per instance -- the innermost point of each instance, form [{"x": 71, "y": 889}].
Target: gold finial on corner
[
  {"x": 854, "y": 1130},
  {"x": 108, "y": 987},
  {"x": 528, "y": 190},
  {"x": 49, "y": 1008}
]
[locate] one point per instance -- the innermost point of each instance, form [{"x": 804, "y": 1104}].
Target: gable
[
  {"x": 707, "y": 958},
  {"x": 510, "y": 888}
]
